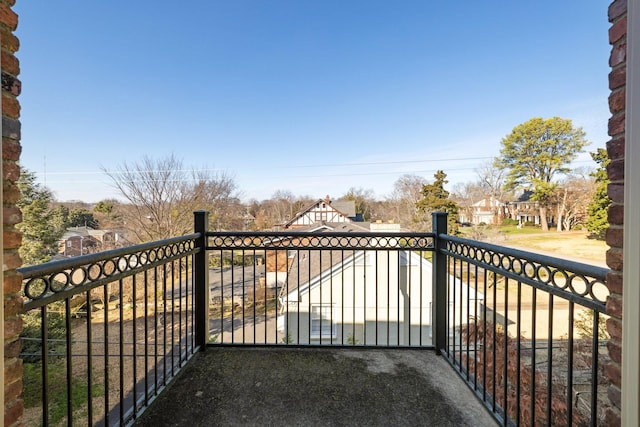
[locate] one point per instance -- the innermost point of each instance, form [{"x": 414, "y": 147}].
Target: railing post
[
  {"x": 201, "y": 278},
  {"x": 439, "y": 226}
]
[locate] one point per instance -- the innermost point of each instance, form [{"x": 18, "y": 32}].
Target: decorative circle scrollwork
[
  {"x": 78, "y": 276},
  {"x": 109, "y": 268},
  {"x": 94, "y": 271},
  {"x": 59, "y": 281},
  {"x": 579, "y": 285},
  {"x": 559, "y": 278},
  {"x": 516, "y": 266},
  {"x": 36, "y": 288}
]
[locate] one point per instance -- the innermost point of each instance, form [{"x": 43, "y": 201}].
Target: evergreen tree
[
  {"x": 436, "y": 199},
  {"x": 82, "y": 218},
  {"x": 597, "y": 221},
  {"x": 535, "y": 152},
  {"x": 40, "y": 235},
  {"x": 77, "y": 217}
]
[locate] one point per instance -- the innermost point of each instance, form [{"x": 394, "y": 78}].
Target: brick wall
[
  {"x": 13, "y": 405},
  {"x": 615, "y": 171}
]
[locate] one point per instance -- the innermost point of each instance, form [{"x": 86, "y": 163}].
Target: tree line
[{"x": 160, "y": 195}]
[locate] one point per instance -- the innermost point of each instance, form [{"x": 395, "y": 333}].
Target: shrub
[
  {"x": 494, "y": 339},
  {"x": 31, "y": 333},
  {"x": 509, "y": 221}
]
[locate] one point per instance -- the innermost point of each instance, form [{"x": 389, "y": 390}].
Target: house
[
  {"x": 323, "y": 210},
  {"x": 84, "y": 240},
  {"x": 365, "y": 297},
  {"x": 525, "y": 210},
  {"x": 278, "y": 261},
  {"x": 489, "y": 210}
]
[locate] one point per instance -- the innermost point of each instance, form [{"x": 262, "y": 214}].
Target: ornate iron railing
[
  {"x": 323, "y": 288},
  {"x": 104, "y": 333},
  {"x": 535, "y": 351}
]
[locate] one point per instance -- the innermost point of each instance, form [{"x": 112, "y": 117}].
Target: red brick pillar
[
  {"x": 615, "y": 171},
  {"x": 13, "y": 404}
]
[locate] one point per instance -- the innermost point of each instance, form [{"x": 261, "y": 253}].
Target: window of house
[
  {"x": 321, "y": 216},
  {"x": 323, "y": 324}
]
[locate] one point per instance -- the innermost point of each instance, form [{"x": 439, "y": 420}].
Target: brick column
[
  {"x": 13, "y": 404},
  {"x": 615, "y": 171}
]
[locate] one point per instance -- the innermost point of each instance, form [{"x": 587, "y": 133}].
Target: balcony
[
  {"x": 314, "y": 328},
  {"x": 316, "y": 386}
]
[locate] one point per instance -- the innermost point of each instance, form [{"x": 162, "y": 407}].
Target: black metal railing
[
  {"x": 104, "y": 333},
  {"x": 534, "y": 348},
  {"x": 323, "y": 288}
]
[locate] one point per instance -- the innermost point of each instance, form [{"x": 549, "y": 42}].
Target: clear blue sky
[{"x": 312, "y": 97}]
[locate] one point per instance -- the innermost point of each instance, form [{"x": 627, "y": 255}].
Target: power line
[{"x": 280, "y": 167}]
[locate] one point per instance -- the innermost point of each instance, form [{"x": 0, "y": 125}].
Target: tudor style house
[{"x": 324, "y": 210}]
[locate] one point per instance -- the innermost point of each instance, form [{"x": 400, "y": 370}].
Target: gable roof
[
  {"x": 488, "y": 202},
  {"x": 347, "y": 207},
  {"x": 525, "y": 196},
  {"x": 323, "y": 204},
  {"x": 85, "y": 232},
  {"x": 310, "y": 267},
  {"x": 313, "y": 267}
]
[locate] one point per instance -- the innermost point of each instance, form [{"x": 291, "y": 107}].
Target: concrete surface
[{"x": 316, "y": 387}]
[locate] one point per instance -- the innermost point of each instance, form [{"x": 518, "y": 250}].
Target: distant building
[
  {"x": 324, "y": 210},
  {"x": 78, "y": 241},
  {"x": 488, "y": 211},
  {"x": 525, "y": 210}
]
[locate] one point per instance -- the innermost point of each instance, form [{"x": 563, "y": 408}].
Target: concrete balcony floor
[{"x": 227, "y": 386}]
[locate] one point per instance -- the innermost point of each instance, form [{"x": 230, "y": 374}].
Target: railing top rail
[
  {"x": 578, "y": 282},
  {"x": 321, "y": 233},
  {"x": 66, "y": 264},
  {"x": 54, "y": 281},
  {"x": 593, "y": 271},
  {"x": 320, "y": 240}
]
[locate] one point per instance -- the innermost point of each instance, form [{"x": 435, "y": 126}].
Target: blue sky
[{"x": 312, "y": 97}]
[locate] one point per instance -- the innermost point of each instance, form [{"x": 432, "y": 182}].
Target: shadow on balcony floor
[{"x": 254, "y": 386}]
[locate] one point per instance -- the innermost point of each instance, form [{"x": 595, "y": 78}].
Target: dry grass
[{"x": 570, "y": 244}]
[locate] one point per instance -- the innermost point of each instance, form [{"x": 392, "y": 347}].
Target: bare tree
[
  {"x": 572, "y": 199},
  {"x": 407, "y": 191},
  {"x": 363, "y": 199},
  {"x": 465, "y": 195},
  {"x": 162, "y": 196},
  {"x": 491, "y": 181},
  {"x": 280, "y": 208}
]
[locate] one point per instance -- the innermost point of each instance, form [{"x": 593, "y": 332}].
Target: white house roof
[
  {"x": 487, "y": 203},
  {"x": 312, "y": 270}
]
